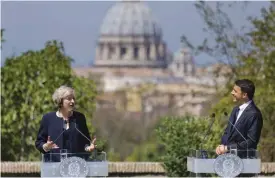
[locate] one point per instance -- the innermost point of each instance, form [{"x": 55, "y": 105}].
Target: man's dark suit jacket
[
  {"x": 249, "y": 124},
  {"x": 52, "y": 126}
]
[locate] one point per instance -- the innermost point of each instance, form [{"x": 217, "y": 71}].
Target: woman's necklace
[{"x": 67, "y": 125}]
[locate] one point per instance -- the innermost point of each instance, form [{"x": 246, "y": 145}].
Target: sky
[{"x": 28, "y": 25}]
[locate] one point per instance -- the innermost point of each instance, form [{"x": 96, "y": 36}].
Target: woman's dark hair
[{"x": 247, "y": 86}]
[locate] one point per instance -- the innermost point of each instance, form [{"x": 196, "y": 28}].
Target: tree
[
  {"x": 2, "y": 39},
  {"x": 224, "y": 41},
  {"x": 122, "y": 130},
  {"x": 259, "y": 66},
  {"x": 127, "y": 125},
  {"x": 178, "y": 136},
  {"x": 250, "y": 55},
  {"x": 28, "y": 82}
]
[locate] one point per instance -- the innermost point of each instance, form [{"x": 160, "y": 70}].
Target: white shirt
[{"x": 242, "y": 108}]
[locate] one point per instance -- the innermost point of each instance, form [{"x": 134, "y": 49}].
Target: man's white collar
[{"x": 243, "y": 106}]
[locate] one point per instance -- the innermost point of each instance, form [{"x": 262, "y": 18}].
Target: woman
[{"x": 64, "y": 129}]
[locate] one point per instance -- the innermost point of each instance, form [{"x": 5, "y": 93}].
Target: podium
[
  {"x": 230, "y": 164},
  {"x": 74, "y": 165}
]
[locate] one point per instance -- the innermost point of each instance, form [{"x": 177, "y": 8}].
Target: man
[{"x": 246, "y": 117}]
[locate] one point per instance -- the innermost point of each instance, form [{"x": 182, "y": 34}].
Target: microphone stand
[
  {"x": 75, "y": 126},
  {"x": 64, "y": 129},
  {"x": 95, "y": 150},
  {"x": 82, "y": 133},
  {"x": 226, "y": 114}
]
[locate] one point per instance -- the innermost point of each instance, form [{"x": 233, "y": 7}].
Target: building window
[
  {"x": 111, "y": 51},
  {"x": 101, "y": 46},
  {"x": 148, "y": 52},
  {"x": 123, "y": 51},
  {"x": 136, "y": 50}
]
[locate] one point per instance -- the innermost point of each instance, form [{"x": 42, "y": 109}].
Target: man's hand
[
  {"x": 49, "y": 145},
  {"x": 221, "y": 149},
  {"x": 92, "y": 145}
]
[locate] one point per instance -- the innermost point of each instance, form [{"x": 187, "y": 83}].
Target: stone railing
[{"x": 119, "y": 168}]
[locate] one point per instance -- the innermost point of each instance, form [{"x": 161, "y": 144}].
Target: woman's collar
[{"x": 59, "y": 114}]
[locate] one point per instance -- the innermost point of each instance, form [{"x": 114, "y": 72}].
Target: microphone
[
  {"x": 203, "y": 152},
  {"x": 65, "y": 124},
  {"x": 226, "y": 114},
  {"x": 81, "y": 132}
]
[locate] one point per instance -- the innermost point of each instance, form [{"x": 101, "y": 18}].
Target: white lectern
[
  {"x": 230, "y": 164},
  {"x": 74, "y": 165}
]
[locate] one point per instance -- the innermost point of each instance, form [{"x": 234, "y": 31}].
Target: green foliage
[
  {"x": 28, "y": 82},
  {"x": 113, "y": 156},
  {"x": 149, "y": 151},
  {"x": 179, "y": 136}
]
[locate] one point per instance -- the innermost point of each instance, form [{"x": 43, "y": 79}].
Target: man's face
[{"x": 237, "y": 94}]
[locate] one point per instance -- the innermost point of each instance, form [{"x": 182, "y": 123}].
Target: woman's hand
[
  {"x": 92, "y": 145},
  {"x": 221, "y": 149},
  {"x": 49, "y": 145}
]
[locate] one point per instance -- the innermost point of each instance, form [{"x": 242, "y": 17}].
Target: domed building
[
  {"x": 130, "y": 52},
  {"x": 130, "y": 36}
]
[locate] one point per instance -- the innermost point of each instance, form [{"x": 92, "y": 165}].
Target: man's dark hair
[{"x": 247, "y": 86}]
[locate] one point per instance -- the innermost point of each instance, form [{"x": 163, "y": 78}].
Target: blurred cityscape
[
  {"x": 139, "y": 80},
  {"x": 132, "y": 55}
]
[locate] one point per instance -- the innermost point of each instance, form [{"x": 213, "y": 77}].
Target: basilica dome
[
  {"x": 130, "y": 18},
  {"x": 130, "y": 37}
]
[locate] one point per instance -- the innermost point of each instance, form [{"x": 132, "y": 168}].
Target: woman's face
[{"x": 68, "y": 102}]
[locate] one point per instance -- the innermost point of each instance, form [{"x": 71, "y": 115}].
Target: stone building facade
[{"x": 130, "y": 52}]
